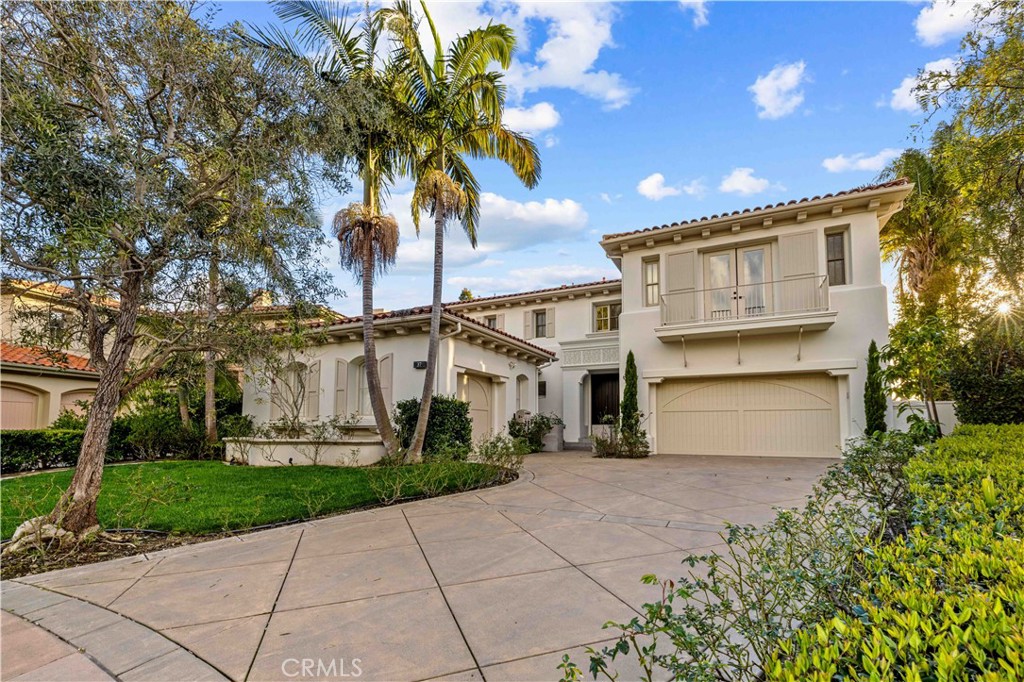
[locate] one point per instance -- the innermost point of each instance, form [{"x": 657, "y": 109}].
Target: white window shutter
[
  {"x": 528, "y": 324},
  {"x": 501, "y": 321},
  {"x": 313, "y": 391},
  {"x": 341, "y": 388},
  {"x": 386, "y": 366},
  {"x": 682, "y": 271},
  {"x": 550, "y": 317},
  {"x": 798, "y": 267}
]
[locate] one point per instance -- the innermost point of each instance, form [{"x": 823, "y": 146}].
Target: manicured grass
[{"x": 206, "y": 497}]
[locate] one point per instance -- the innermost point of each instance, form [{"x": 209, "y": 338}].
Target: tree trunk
[
  {"x": 186, "y": 418},
  {"x": 420, "y": 434},
  {"x": 380, "y": 409},
  {"x": 76, "y": 509},
  {"x": 210, "y": 357}
]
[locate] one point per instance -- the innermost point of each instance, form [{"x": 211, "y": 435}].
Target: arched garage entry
[
  {"x": 20, "y": 407},
  {"x": 794, "y": 415}
]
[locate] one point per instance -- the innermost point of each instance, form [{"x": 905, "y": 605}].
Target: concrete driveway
[{"x": 493, "y": 585}]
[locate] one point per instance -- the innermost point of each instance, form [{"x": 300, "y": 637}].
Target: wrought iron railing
[{"x": 746, "y": 301}]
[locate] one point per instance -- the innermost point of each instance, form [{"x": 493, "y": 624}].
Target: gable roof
[
  {"x": 37, "y": 356},
  {"x": 792, "y": 203}
]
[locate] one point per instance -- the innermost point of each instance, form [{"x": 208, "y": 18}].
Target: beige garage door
[
  {"x": 476, "y": 391},
  {"x": 19, "y": 409},
  {"x": 790, "y": 415}
]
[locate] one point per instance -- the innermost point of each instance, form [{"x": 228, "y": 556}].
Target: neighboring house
[
  {"x": 750, "y": 332},
  {"x": 494, "y": 371},
  {"x": 37, "y": 383}
]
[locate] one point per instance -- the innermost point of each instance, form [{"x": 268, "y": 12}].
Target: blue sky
[{"x": 652, "y": 112}]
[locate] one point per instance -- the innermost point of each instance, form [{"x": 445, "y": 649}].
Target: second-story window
[
  {"x": 606, "y": 317},
  {"x": 835, "y": 250},
  {"x": 492, "y": 321},
  {"x": 652, "y": 282},
  {"x": 540, "y": 323}
]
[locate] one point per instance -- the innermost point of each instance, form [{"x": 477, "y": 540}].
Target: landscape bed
[{"x": 186, "y": 501}]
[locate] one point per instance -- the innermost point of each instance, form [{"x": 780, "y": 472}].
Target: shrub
[
  {"x": 236, "y": 426},
  {"x": 34, "y": 449},
  {"x": 533, "y": 429},
  {"x": 505, "y": 452},
  {"x": 986, "y": 376},
  {"x": 70, "y": 421},
  {"x": 620, "y": 442},
  {"x": 159, "y": 433},
  {"x": 842, "y": 590},
  {"x": 875, "y": 402},
  {"x": 449, "y": 427}
]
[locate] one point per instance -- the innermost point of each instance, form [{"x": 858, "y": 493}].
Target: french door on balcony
[{"x": 738, "y": 282}]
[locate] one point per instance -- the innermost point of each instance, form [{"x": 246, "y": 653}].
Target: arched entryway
[{"x": 478, "y": 391}]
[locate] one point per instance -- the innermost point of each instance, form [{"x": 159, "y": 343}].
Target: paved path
[{"x": 493, "y": 585}]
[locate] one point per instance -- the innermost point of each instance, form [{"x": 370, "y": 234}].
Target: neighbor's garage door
[
  {"x": 19, "y": 409},
  {"x": 795, "y": 415}
]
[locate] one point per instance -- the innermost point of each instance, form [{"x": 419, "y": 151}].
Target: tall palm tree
[
  {"x": 452, "y": 107},
  {"x": 338, "y": 53}
]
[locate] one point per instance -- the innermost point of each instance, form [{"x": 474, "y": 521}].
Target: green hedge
[
  {"x": 449, "y": 426},
  {"x": 34, "y": 449},
  {"x": 946, "y": 601}
]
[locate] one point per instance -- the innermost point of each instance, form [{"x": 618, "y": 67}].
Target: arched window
[{"x": 522, "y": 393}]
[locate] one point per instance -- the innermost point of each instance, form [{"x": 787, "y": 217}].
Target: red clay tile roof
[
  {"x": 563, "y": 287},
  {"x": 41, "y": 357},
  {"x": 899, "y": 182},
  {"x": 425, "y": 310}
]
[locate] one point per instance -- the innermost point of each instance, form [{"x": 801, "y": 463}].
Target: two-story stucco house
[
  {"x": 750, "y": 329},
  {"x": 750, "y": 332}
]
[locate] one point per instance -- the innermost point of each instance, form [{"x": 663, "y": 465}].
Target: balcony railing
[{"x": 746, "y": 302}]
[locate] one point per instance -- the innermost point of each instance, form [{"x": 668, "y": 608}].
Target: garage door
[
  {"x": 19, "y": 409},
  {"x": 794, "y": 415},
  {"x": 477, "y": 392}
]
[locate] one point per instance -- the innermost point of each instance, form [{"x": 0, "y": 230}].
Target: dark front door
[{"x": 604, "y": 397}]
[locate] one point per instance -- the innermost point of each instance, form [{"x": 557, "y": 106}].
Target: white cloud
[
  {"x": 505, "y": 225},
  {"x": 943, "y": 20},
  {"x": 778, "y": 92},
  {"x": 532, "y": 120},
  {"x": 904, "y": 97},
  {"x": 550, "y": 141},
  {"x": 699, "y": 9},
  {"x": 526, "y": 279},
  {"x": 654, "y": 188},
  {"x": 742, "y": 181},
  {"x": 575, "y": 33},
  {"x": 860, "y": 162}
]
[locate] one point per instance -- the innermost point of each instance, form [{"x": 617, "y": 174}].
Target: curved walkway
[{"x": 493, "y": 585}]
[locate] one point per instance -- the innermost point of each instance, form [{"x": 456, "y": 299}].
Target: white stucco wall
[
  {"x": 567, "y": 389},
  {"x": 456, "y": 356},
  {"x": 840, "y": 350}
]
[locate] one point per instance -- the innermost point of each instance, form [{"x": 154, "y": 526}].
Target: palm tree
[
  {"x": 452, "y": 108},
  {"x": 338, "y": 55},
  {"x": 927, "y": 240}
]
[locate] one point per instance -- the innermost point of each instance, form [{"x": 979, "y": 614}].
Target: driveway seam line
[
  {"x": 77, "y": 649},
  {"x": 573, "y": 565},
  {"x": 125, "y": 617},
  {"x": 280, "y": 589},
  {"x": 444, "y": 596}
]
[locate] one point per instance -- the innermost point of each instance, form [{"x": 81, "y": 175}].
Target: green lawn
[{"x": 206, "y": 497}]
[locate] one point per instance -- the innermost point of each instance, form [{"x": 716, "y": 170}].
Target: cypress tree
[
  {"x": 875, "y": 402},
  {"x": 630, "y": 409}
]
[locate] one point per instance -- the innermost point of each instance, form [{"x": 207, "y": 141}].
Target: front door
[
  {"x": 738, "y": 282},
  {"x": 604, "y": 398}
]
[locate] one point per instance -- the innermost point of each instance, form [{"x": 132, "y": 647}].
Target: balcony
[{"x": 763, "y": 308}]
